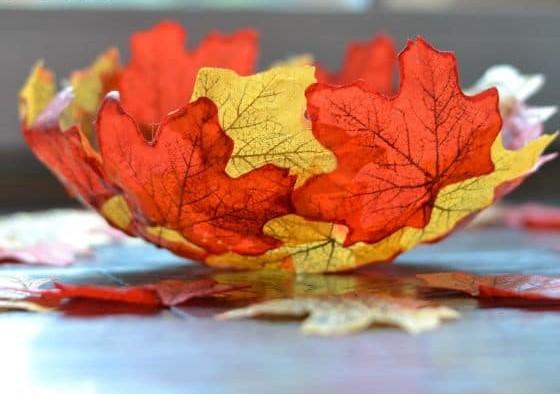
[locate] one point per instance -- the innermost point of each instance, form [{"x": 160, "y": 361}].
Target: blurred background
[{"x": 68, "y": 34}]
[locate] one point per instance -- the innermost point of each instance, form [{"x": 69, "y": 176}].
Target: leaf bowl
[{"x": 292, "y": 168}]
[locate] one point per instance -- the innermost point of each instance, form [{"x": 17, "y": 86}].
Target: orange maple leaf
[
  {"x": 372, "y": 61},
  {"x": 161, "y": 74},
  {"x": 178, "y": 179},
  {"x": 395, "y": 154},
  {"x": 69, "y": 153}
]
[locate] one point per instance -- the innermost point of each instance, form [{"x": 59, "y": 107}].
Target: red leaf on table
[
  {"x": 533, "y": 215},
  {"x": 164, "y": 293},
  {"x": 178, "y": 179},
  {"x": 463, "y": 282},
  {"x": 395, "y": 154},
  {"x": 175, "y": 292},
  {"x": 132, "y": 295},
  {"x": 373, "y": 61},
  {"x": 527, "y": 287},
  {"x": 161, "y": 74}
]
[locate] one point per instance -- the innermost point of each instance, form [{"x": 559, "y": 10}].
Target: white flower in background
[{"x": 521, "y": 123}]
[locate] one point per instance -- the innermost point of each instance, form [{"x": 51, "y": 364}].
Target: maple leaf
[
  {"x": 161, "y": 73},
  {"x": 67, "y": 153},
  {"x": 527, "y": 287},
  {"x": 167, "y": 293},
  {"x": 463, "y": 282},
  {"x": 21, "y": 305},
  {"x": 346, "y": 314},
  {"x": 520, "y": 216},
  {"x": 532, "y": 215},
  {"x": 15, "y": 288},
  {"x": 264, "y": 115},
  {"x": 89, "y": 86},
  {"x": 395, "y": 155},
  {"x": 373, "y": 61},
  {"x": 178, "y": 181},
  {"x": 17, "y": 293},
  {"x": 55, "y": 237}
]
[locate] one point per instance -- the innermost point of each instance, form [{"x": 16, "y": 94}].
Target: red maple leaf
[
  {"x": 532, "y": 215},
  {"x": 161, "y": 74},
  {"x": 372, "y": 61},
  {"x": 527, "y": 287},
  {"x": 164, "y": 293},
  {"x": 395, "y": 154},
  {"x": 178, "y": 179},
  {"x": 68, "y": 154}
]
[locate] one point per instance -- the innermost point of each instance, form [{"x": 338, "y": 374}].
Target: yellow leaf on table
[
  {"x": 341, "y": 315},
  {"x": 264, "y": 114}
]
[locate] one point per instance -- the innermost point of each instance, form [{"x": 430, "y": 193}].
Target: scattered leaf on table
[
  {"x": 346, "y": 314},
  {"x": 14, "y": 288},
  {"x": 532, "y": 215},
  {"x": 528, "y": 216},
  {"x": 22, "y": 305},
  {"x": 20, "y": 293},
  {"x": 55, "y": 237},
  {"x": 164, "y": 293},
  {"x": 463, "y": 282},
  {"x": 527, "y": 287}
]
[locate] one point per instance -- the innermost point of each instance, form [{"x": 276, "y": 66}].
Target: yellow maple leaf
[
  {"x": 346, "y": 314},
  {"x": 308, "y": 247},
  {"x": 36, "y": 93},
  {"x": 88, "y": 88},
  {"x": 264, "y": 115}
]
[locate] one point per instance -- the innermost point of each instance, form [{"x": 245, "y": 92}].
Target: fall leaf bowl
[{"x": 292, "y": 168}]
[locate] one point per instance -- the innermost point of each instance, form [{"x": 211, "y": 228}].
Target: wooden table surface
[{"x": 494, "y": 348}]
